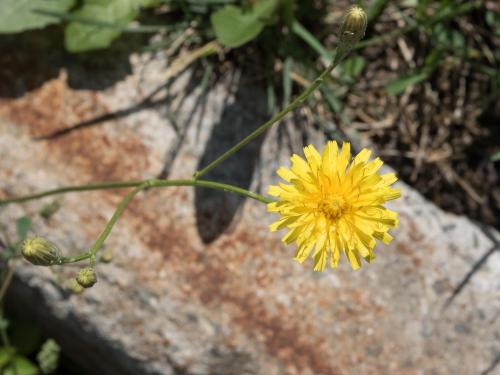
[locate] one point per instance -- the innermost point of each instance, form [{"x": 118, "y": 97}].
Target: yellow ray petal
[
  {"x": 286, "y": 174},
  {"x": 329, "y": 158},
  {"x": 303, "y": 251},
  {"x": 320, "y": 260},
  {"x": 353, "y": 258},
  {"x": 362, "y": 157},
  {"x": 344, "y": 156}
]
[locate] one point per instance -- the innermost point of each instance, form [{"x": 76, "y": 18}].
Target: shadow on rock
[
  {"x": 35, "y": 57},
  {"x": 215, "y": 210}
]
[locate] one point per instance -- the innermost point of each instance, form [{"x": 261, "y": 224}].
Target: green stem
[
  {"x": 3, "y": 289},
  {"x": 341, "y": 52},
  {"x": 69, "y": 189},
  {"x": 139, "y": 186},
  {"x": 167, "y": 183},
  {"x": 6, "y": 281}
]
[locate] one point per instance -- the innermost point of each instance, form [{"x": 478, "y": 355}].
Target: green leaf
[
  {"x": 375, "y": 10},
  {"x": 400, "y": 84},
  {"x": 19, "y": 15},
  {"x": 495, "y": 156},
  {"x": 493, "y": 19},
  {"x": 352, "y": 67},
  {"x": 110, "y": 17},
  {"x": 49, "y": 209},
  {"x": 21, "y": 366},
  {"x": 310, "y": 39},
  {"x": 8, "y": 252},
  {"x": 6, "y": 354},
  {"x": 233, "y": 27},
  {"x": 4, "y": 324},
  {"x": 23, "y": 225}
]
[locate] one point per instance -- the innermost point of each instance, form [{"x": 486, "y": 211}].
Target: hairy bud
[
  {"x": 74, "y": 287},
  {"x": 86, "y": 277},
  {"x": 354, "y": 26},
  {"x": 48, "y": 357},
  {"x": 40, "y": 251},
  {"x": 106, "y": 256}
]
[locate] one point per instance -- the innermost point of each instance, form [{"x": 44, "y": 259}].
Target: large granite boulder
[{"x": 198, "y": 284}]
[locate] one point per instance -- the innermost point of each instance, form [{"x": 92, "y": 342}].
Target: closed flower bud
[
  {"x": 40, "y": 252},
  {"x": 73, "y": 285},
  {"x": 354, "y": 26},
  {"x": 106, "y": 256},
  {"x": 48, "y": 357},
  {"x": 86, "y": 277}
]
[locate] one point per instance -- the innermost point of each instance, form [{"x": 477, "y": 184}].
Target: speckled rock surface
[{"x": 198, "y": 284}]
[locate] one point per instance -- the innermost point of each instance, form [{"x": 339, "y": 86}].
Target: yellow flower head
[{"x": 333, "y": 205}]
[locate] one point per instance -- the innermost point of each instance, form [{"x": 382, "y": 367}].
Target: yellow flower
[{"x": 334, "y": 205}]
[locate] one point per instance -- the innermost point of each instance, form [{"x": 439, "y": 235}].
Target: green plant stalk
[
  {"x": 341, "y": 53},
  {"x": 138, "y": 187},
  {"x": 69, "y": 189},
  {"x": 6, "y": 281},
  {"x": 3, "y": 289}
]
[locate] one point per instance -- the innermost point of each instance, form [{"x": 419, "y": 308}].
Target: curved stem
[
  {"x": 138, "y": 187},
  {"x": 341, "y": 52},
  {"x": 166, "y": 183},
  {"x": 107, "y": 230}
]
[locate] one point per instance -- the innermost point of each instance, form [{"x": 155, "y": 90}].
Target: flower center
[{"x": 333, "y": 207}]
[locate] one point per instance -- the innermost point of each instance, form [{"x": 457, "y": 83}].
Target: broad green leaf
[
  {"x": 110, "y": 17},
  {"x": 21, "y": 366},
  {"x": 400, "y": 84},
  {"x": 23, "y": 225},
  {"x": 234, "y": 27},
  {"x": 19, "y": 15}
]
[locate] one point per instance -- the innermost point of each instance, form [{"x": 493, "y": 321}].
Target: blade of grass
[
  {"x": 311, "y": 40},
  {"x": 287, "y": 80},
  {"x": 375, "y": 10},
  {"x": 206, "y": 76},
  {"x": 271, "y": 97},
  {"x": 183, "y": 61}
]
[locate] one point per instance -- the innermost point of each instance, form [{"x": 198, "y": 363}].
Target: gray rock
[{"x": 198, "y": 284}]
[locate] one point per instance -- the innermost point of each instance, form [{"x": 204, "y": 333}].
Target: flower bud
[
  {"x": 86, "y": 277},
  {"x": 106, "y": 256},
  {"x": 48, "y": 357},
  {"x": 354, "y": 26},
  {"x": 73, "y": 285},
  {"x": 40, "y": 252}
]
